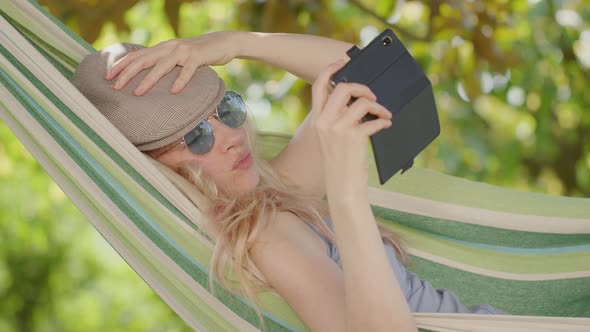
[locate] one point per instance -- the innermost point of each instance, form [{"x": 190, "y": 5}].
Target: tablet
[{"x": 388, "y": 69}]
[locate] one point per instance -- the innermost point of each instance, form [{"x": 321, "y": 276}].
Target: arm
[
  {"x": 374, "y": 299},
  {"x": 305, "y": 56},
  {"x": 325, "y": 298},
  {"x": 302, "y": 55},
  {"x": 366, "y": 296},
  {"x": 342, "y": 138}
]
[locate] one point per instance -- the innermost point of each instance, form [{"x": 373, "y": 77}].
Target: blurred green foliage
[{"x": 509, "y": 77}]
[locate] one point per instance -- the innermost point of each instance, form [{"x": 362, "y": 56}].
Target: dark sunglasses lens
[
  {"x": 200, "y": 140},
  {"x": 232, "y": 110}
]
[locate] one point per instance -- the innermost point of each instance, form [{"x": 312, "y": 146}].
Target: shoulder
[
  {"x": 301, "y": 272},
  {"x": 289, "y": 231}
]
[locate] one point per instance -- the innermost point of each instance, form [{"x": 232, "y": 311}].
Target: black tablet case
[{"x": 386, "y": 66}]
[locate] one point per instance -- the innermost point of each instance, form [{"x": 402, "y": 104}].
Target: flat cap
[{"x": 157, "y": 118}]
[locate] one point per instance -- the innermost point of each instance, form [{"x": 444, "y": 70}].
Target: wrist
[
  {"x": 243, "y": 42},
  {"x": 352, "y": 208}
]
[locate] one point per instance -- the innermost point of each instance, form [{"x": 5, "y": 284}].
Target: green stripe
[
  {"x": 95, "y": 138},
  {"x": 42, "y": 46},
  {"x": 62, "y": 26},
  {"x": 495, "y": 260},
  {"x": 560, "y": 298},
  {"x": 180, "y": 292},
  {"x": 179, "y": 258},
  {"x": 231, "y": 301},
  {"x": 480, "y": 234}
]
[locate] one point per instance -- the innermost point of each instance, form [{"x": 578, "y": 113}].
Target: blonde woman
[{"x": 328, "y": 259}]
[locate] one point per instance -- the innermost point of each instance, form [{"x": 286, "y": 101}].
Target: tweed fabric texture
[{"x": 157, "y": 118}]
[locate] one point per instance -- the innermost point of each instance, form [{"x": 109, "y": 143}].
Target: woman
[{"x": 337, "y": 274}]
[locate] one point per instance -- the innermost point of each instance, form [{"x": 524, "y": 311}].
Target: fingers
[
  {"x": 320, "y": 88},
  {"x": 363, "y": 106},
  {"x": 352, "y": 117},
  {"x": 160, "y": 69},
  {"x": 132, "y": 69},
  {"x": 343, "y": 93},
  {"x": 118, "y": 66},
  {"x": 370, "y": 128},
  {"x": 184, "y": 77},
  {"x": 333, "y": 109}
]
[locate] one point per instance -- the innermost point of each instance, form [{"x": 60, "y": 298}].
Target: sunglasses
[{"x": 231, "y": 111}]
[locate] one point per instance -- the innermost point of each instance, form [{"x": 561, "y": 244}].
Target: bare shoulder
[
  {"x": 301, "y": 272},
  {"x": 288, "y": 228}
]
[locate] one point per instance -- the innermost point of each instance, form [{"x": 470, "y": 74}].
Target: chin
[
  {"x": 252, "y": 181},
  {"x": 246, "y": 183}
]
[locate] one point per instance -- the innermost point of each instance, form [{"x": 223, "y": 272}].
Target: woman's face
[{"x": 229, "y": 163}]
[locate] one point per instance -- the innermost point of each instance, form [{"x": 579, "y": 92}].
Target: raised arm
[
  {"x": 369, "y": 280},
  {"x": 366, "y": 295},
  {"x": 302, "y": 55}
]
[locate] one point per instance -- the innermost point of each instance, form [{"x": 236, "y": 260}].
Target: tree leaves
[{"x": 469, "y": 49}]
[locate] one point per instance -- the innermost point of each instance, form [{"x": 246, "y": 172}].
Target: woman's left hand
[{"x": 216, "y": 48}]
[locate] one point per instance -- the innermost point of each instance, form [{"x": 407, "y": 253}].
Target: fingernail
[{"x": 139, "y": 90}]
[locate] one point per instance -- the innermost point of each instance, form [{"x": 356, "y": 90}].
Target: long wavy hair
[{"x": 241, "y": 219}]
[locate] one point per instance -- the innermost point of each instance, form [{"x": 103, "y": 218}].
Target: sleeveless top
[{"x": 420, "y": 294}]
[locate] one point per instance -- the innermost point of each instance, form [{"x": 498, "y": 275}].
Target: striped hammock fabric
[{"x": 524, "y": 253}]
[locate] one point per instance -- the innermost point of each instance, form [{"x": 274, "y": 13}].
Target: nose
[{"x": 227, "y": 138}]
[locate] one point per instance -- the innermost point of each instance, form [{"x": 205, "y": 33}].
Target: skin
[
  {"x": 230, "y": 145},
  {"x": 330, "y": 145}
]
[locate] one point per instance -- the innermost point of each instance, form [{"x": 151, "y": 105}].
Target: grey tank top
[{"x": 420, "y": 294}]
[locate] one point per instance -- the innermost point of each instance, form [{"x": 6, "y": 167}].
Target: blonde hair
[{"x": 241, "y": 219}]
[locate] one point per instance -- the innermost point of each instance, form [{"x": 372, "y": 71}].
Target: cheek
[
  {"x": 237, "y": 182},
  {"x": 234, "y": 181},
  {"x": 213, "y": 169},
  {"x": 217, "y": 170}
]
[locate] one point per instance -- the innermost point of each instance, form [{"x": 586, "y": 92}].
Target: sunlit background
[{"x": 510, "y": 80}]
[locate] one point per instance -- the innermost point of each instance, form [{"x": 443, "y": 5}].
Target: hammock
[{"x": 524, "y": 253}]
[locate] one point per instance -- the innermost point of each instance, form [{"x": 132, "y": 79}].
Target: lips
[{"x": 242, "y": 157}]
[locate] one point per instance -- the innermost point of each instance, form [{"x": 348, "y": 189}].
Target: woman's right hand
[{"x": 343, "y": 135}]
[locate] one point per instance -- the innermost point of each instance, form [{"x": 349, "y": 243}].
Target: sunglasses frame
[{"x": 215, "y": 115}]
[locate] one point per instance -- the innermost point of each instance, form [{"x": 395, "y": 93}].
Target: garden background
[{"x": 510, "y": 80}]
